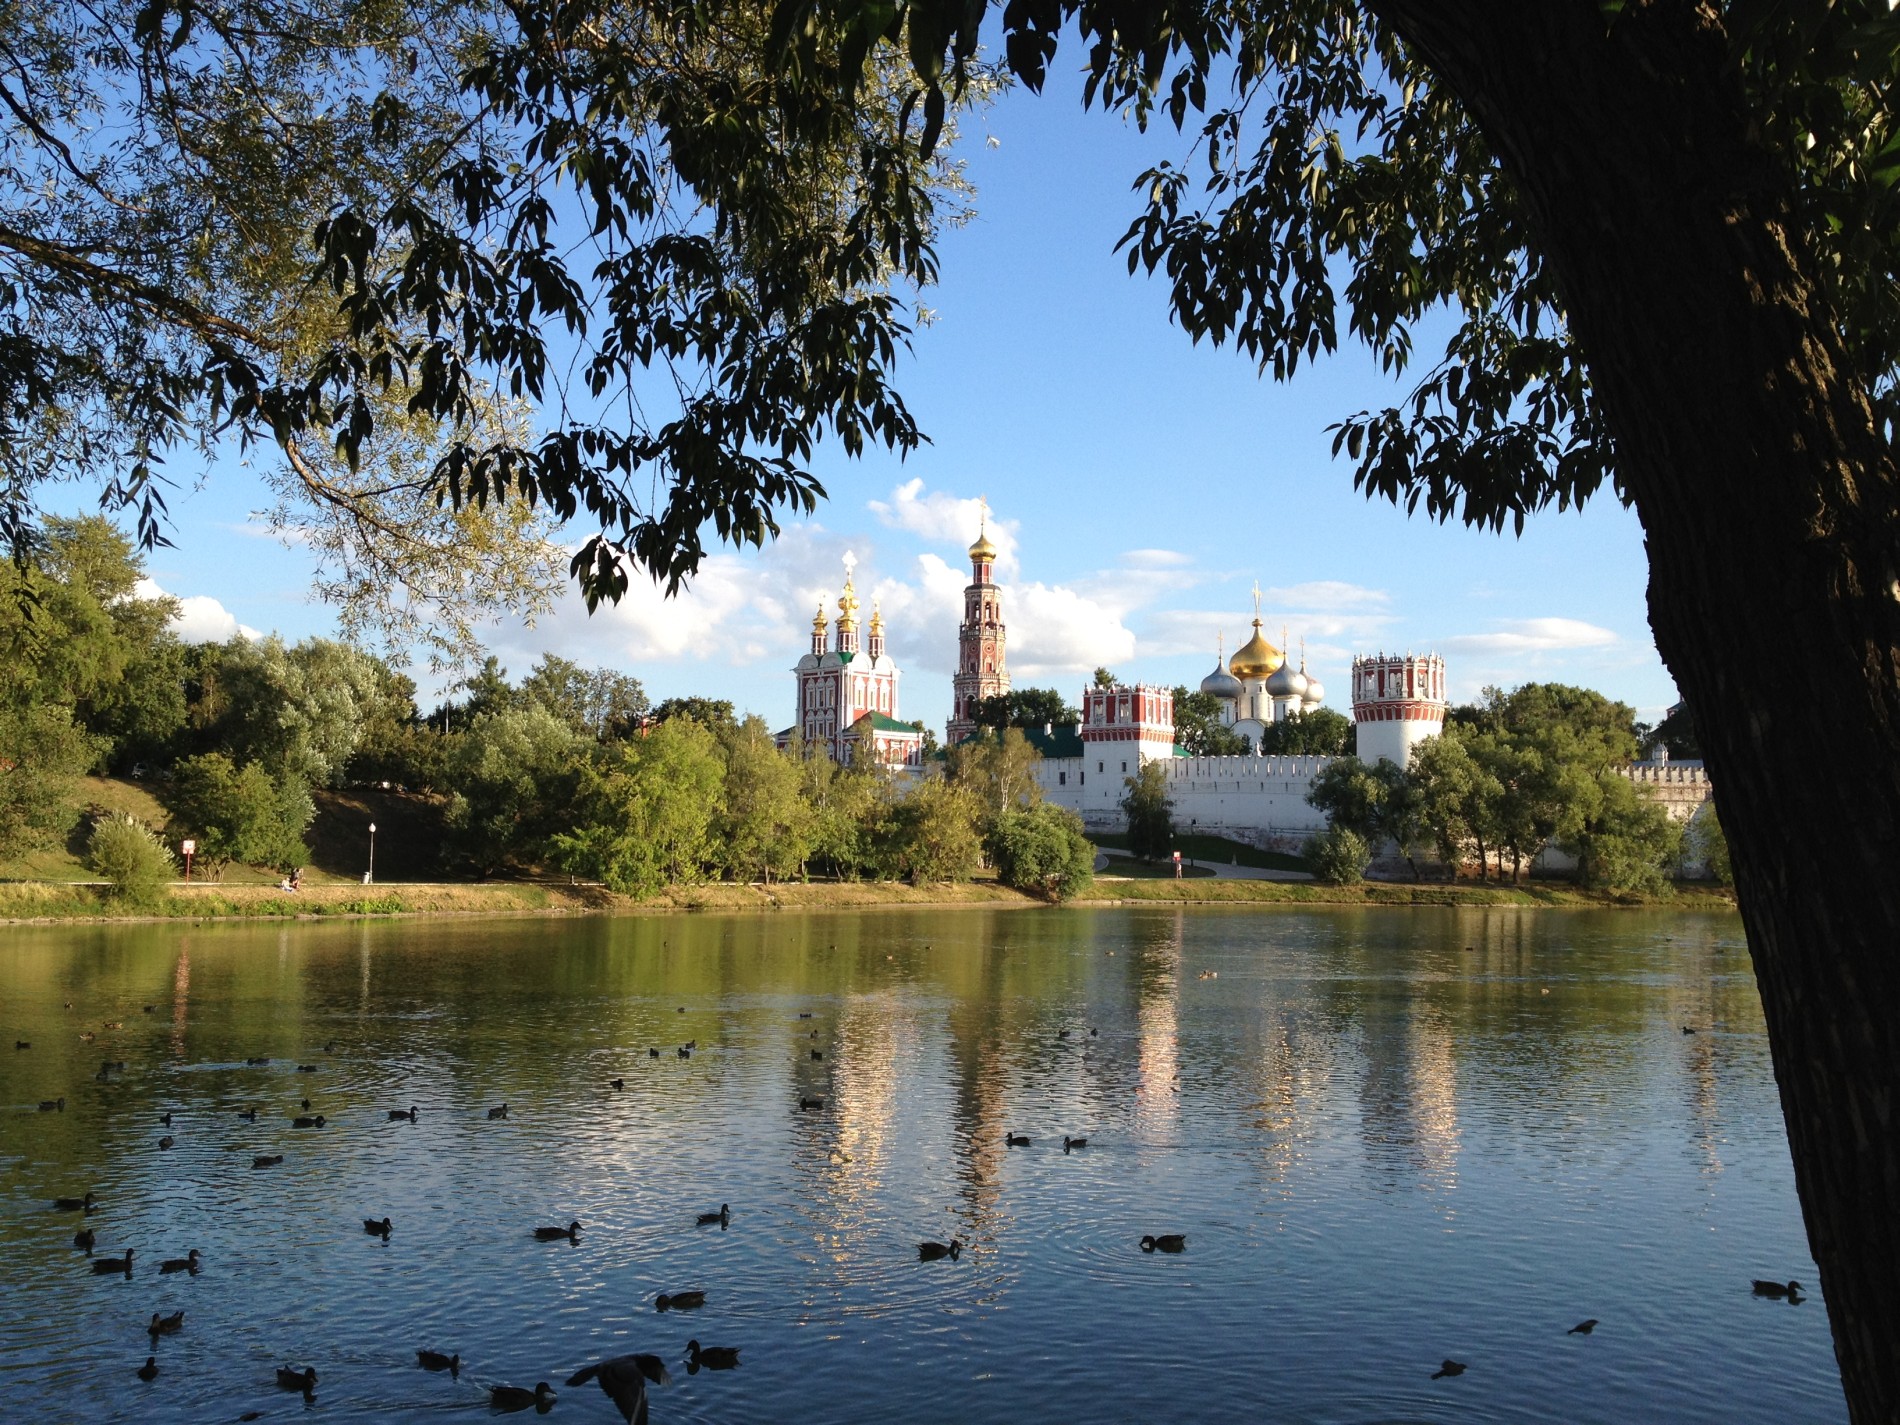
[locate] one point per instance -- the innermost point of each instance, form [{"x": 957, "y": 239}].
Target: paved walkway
[{"x": 1223, "y": 872}]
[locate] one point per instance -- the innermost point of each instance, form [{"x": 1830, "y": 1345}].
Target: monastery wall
[{"x": 1261, "y": 801}]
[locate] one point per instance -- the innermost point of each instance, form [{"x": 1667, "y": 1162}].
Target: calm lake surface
[{"x": 1390, "y": 1137}]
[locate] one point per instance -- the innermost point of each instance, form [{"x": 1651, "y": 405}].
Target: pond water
[{"x": 1390, "y": 1137}]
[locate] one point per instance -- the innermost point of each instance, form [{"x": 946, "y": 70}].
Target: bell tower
[{"x": 981, "y": 669}]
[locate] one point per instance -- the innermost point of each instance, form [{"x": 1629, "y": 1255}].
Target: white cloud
[
  {"x": 1055, "y": 630},
  {"x": 1531, "y": 635},
  {"x": 1157, "y": 559},
  {"x": 944, "y": 518},
  {"x": 200, "y": 618}
]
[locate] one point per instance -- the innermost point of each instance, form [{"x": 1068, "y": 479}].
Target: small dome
[
  {"x": 1315, "y": 694},
  {"x": 1222, "y": 684},
  {"x": 983, "y": 552},
  {"x": 1286, "y": 682},
  {"x": 1255, "y": 658}
]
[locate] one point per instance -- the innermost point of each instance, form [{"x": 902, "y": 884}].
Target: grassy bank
[
  {"x": 42, "y": 901},
  {"x": 1223, "y": 892}
]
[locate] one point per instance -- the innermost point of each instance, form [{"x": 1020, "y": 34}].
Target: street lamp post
[{"x": 370, "y": 874}]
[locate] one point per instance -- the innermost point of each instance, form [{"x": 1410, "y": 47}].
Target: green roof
[
  {"x": 1063, "y": 741},
  {"x": 881, "y": 723}
]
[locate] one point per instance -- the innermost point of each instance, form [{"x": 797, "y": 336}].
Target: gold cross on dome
[
  {"x": 1256, "y": 599},
  {"x": 982, "y": 514}
]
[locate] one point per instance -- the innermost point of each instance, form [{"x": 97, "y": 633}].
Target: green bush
[
  {"x": 1337, "y": 856},
  {"x": 132, "y": 858},
  {"x": 1043, "y": 851}
]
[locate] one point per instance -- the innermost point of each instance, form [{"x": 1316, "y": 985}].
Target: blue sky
[{"x": 1139, "y": 485}]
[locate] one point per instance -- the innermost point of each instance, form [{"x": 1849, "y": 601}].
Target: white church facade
[{"x": 847, "y": 692}]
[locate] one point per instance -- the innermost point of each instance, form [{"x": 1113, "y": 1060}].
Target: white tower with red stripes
[{"x": 1398, "y": 700}]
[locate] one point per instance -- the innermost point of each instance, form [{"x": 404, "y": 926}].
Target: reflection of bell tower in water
[{"x": 981, "y": 669}]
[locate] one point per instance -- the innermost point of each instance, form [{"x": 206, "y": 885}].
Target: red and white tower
[
  {"x": 1398, "y": 700},
  {"x": 981, "y": 670}
]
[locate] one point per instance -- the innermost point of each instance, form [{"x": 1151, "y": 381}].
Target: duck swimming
[
  {"x": 1166, "y": 1242},
  {"x": 677, "y": 1301},
  {"x": 810, "y": 1103},
  {"x": 166, "y": 1325},
  {"x": 1791, "y": 1291},
  {"x": 249, "y": 1115},
  {"x": 721, "y": 1217},
  {"x": 149, "y": 1371},
  {"x": 713, "y": 1358},
  {"x": 58, "y": 1105},
  {"x": 436, "y": 1361},
  {"x": 937, "y": 1251},
  {"x": 186, "y": 1263},
  {"x": 375, "y": 1228},
  {"x": 513, "y": 1397},
  {"x": 1071, "y": 1143},
  {"x": 1583, "y": 1328},
  {"x": 1016, "y": 1140},
  {"x": 1448, "y": 1367},
  {"x": 165, "y": 1142},
  {"x": 105, "y": 1266},
  {"x": 76, "y": 1204},
  {"x": 304, "y": 1380},
  {"x": 267, "y": 1160},
  {"x": 83, "y": 1240},
  {"x": 399, "y": 1113},
  {"x": 499, "y": 1111},
  {"x": 304, "y": 1122},
  {"x": 554, "y": 1234}
]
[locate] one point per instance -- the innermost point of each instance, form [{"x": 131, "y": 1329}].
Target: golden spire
[
  {"x": 877, "y": 619},
  {"x": 983, "y": 551},
  {"x": 848, "y": 600},
  {"x": 818, "y": 619}
]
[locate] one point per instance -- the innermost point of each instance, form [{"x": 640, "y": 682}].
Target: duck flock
[{"x": 624, "y": 1379}]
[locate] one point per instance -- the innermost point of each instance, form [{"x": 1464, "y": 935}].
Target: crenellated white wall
[{"x": 1257, "y": 800}]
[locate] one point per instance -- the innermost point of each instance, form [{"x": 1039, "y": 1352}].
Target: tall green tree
[
  {"x": 926, "y": 832},
  {"x": 240, "y": 814},
  {"x": 764, "y": 825},
  {"x": 1149, "y": 812},
  {"x": 513, "y": 777},
  {"x": 1042, "y": 849},
  {"x": 999, "y": 771},
  {"x": 645, "y": 818}
]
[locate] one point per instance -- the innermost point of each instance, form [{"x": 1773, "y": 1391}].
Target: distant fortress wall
[{"x": 1261, "y": 801}]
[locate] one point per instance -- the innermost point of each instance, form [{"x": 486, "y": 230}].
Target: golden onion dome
[
  {"x": 877, "y": 619},
  {"x": 983, "y": 552},
  {"x": 818, "y": 619},
  {"x": 848, "y": 605},
  {"x": 1255, "y": 658}
]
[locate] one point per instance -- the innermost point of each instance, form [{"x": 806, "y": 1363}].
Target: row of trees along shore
[{"x": 569, "y": 768}]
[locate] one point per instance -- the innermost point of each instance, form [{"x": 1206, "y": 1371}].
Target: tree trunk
[{"x": 1772, "y": 512}]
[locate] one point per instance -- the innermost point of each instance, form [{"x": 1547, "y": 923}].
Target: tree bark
[{"x": 1772, "y": 514}]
